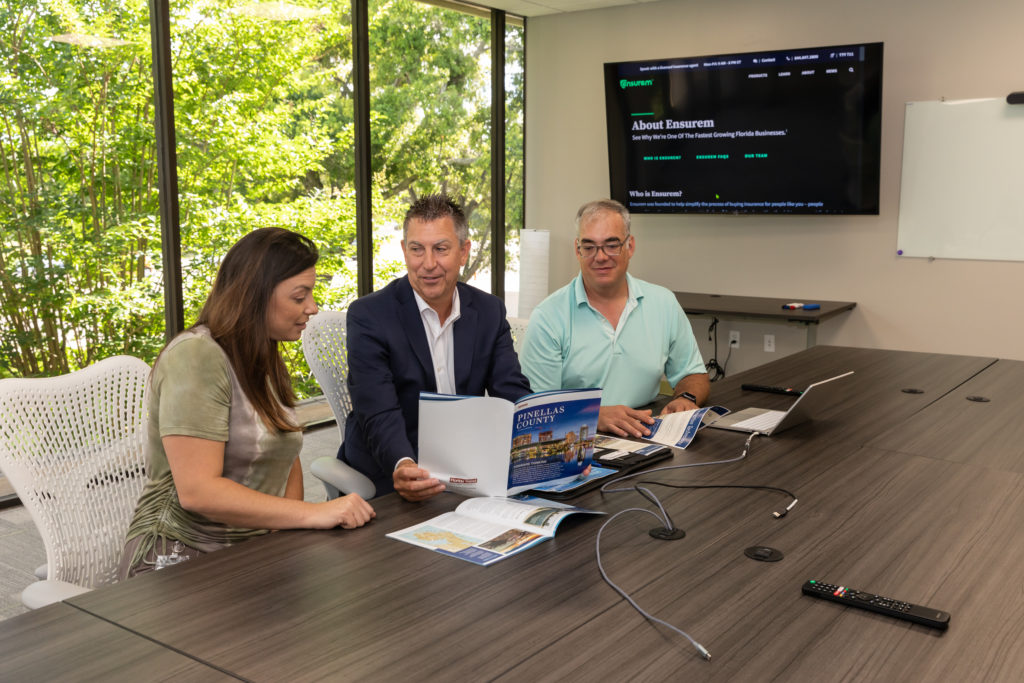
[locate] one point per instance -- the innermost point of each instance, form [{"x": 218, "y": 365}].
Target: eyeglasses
[{"x": 611, "y": 248}]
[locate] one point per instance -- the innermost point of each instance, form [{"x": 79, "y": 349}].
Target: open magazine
[
  {"x": 487, "y": 446},
  {"x": 678, "y": 429},
  {"x": 486, "y": 530}
]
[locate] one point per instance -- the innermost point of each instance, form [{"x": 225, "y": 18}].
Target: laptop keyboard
[{"x": 763, "y": 422}]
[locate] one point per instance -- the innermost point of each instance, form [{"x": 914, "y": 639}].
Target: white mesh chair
[
  {"x": 323, "y": 344},
  {"x": 518, "y": 326},
  {"x": 73, "y": 449}
]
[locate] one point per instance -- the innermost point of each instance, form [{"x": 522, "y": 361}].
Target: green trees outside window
[{"x": 263, "y": 120}]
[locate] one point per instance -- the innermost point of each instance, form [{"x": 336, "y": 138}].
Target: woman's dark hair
[{"x": 236, "y": 313}]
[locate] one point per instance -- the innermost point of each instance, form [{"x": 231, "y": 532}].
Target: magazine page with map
[
  {"x": 486, "y": 530},
  {"x": 487, "y": 446}
]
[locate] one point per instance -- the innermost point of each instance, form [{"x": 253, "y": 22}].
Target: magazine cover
[
  {"x": 487, "y": 446},
  {"x": 553, "y": 437}
]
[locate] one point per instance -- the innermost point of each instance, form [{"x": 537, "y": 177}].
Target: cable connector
[
  {"x": 703, "y": 652},
  {"x": 780, "y": 515}
]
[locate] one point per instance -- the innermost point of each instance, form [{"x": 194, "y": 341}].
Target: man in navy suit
[{"x": 423, "y": 332}]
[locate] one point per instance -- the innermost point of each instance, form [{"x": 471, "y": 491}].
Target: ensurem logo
[{"x": 625, "y": 83}]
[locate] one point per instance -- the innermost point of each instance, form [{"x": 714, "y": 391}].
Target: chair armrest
[
  {"x": 43, "y": 593},
  {"x": 343, "y": 477}
]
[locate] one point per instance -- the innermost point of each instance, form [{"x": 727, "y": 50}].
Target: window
[
  {"x": 264, "y": 133},
  {"x": 514, "y": 163},
  {"x": 80, "y": 240},
  {"x": 263, "y": 120},
  {"x": 430, "y": 103}
]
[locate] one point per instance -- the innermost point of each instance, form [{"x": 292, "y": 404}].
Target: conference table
[{"x": 910, "y": 486}]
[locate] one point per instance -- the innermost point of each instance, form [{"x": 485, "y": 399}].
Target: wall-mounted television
[{"x": 784, "y": 131}]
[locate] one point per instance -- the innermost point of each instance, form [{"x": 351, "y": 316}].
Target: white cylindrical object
[{"x": 534, "y": 250}]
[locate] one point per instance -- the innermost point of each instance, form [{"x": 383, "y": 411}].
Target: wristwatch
[{"x": 688, "y": 396}]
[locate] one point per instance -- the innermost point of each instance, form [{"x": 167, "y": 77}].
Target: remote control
[
  {"x": 771, "y": 390},
  {"x": 926, "y": 616}
]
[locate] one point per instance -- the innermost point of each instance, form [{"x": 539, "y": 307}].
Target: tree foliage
[
  {"x": 264, "y": 128},
  {"x": 77, "y": 197}
]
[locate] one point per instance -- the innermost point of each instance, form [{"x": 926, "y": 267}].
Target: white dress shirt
[{"x": 441, "y": 340}]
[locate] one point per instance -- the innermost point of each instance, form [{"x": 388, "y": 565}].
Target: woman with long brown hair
[{"x": 223, "y": 446}]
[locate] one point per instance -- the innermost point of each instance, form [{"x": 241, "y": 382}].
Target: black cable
[
  {"x": 653, "y": 500},
  {"x": 746, "y": 449},
  {"x": 720, "y": 486},
  {"x": 664, "y": 517},
  {"x": 648, "y": 495},
  {"x": 715, "y": 371}
]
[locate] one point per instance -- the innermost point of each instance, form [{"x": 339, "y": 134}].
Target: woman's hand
[{"x": 348, "y": 512}]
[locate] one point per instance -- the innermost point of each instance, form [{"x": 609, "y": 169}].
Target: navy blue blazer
[{"x": 389, "y": 365}]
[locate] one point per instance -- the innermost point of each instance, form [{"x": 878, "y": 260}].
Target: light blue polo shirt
[{"x": 569, "y": 345}]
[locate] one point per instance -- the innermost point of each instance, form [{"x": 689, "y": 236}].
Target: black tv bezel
[{"x": 871, "y": 129}]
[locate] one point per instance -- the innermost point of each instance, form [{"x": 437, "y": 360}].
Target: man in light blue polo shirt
[{"x": 608, "y": 329}]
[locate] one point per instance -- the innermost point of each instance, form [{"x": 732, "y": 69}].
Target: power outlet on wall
[
  {"x": 734, "y": 339},
  {"x": 769, "y": 343}
]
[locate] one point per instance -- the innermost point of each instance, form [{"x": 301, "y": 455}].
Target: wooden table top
[
  {"x": 880, "y": 509},
  {"x": 62, "y": 643}
]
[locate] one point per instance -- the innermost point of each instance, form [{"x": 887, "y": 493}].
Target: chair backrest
[
  {"x": 323, "y": 344},
  {"x": 73, "y": 448},
  {"x": 518, "y": 326}
]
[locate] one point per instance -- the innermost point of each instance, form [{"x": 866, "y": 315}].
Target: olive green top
[{"x": 195, "y": 392}]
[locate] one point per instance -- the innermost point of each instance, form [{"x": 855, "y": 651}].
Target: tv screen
[{"x": 788, "y": 131}]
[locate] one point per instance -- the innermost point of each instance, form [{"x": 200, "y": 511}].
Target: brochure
[
  {"x": 678, "y": 429},
  {"x": 486, "y": 530},
  {"x": 487, "y": 446}
]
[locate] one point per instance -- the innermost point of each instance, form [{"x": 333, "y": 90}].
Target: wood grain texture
[
  {"x": 990, "y": 434},
  {"x": 356, "y": 602},
  {"x": 310, "y": 605},
  {"x": 61, "y": 643},
  {"x": 874, "y": 400},
  {"x": 941, "y": 534}
]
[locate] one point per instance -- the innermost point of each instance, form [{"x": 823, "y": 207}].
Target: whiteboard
[{"x": 962, "y": 193}]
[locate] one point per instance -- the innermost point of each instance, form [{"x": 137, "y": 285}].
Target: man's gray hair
[
  {"x": 433, "y": 207},
  {"x": 591, "y": 209}
]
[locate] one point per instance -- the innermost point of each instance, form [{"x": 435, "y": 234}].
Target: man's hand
[
  {"x": 414, "y": 483},
  {"x": 678, "y": 405},
  {"x": 624, "y": 421}
]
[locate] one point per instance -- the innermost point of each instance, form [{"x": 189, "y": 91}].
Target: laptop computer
[{"x": 769, "y": 422}]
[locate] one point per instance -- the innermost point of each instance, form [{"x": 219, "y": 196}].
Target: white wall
[{"x": 933, "y": 49}]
